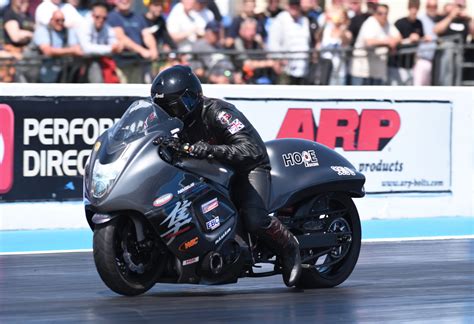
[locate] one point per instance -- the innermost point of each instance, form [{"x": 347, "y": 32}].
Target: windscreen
[{"x": 140, "y": 119}]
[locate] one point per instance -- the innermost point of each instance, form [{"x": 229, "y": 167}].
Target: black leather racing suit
[{"x": 236, "y": 143}]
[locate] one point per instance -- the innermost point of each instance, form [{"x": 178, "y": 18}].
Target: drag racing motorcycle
[{"x": 161, "y": 216}]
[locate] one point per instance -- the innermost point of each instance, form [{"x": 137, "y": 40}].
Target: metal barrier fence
[{"x": 452, "y": 64}]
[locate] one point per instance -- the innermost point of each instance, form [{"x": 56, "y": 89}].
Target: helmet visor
[{"x": 178, "y": 107}]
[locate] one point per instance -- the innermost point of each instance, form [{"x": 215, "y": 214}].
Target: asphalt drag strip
[{"x": 411, "y": 281}]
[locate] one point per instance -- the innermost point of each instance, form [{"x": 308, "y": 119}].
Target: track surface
[{"x": 422, "y": 281}]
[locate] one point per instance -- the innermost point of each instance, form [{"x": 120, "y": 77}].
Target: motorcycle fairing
[{"x": 302, "y": 168}]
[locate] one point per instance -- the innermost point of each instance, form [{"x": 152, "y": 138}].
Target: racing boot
[{"x": 284, "y": 244}]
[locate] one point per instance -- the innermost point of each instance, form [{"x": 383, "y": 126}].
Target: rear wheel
[
  {"x": 126, "y": 266},
  {"x": 329, "y": 267}
]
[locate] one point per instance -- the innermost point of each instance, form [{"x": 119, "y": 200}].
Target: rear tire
[
  {"x": 122, "y": 267},
  {"x": 344, "y": 218}
]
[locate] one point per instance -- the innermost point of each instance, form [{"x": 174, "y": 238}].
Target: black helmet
[{"x": 177, "y": 90}]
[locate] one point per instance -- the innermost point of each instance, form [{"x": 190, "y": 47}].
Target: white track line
[
  {"x": 45, "y": 252},
  {"x": 420, "y": 238},
  {"x": 397, "y": 239}
]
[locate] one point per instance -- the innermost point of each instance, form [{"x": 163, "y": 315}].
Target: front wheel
[
  {"x": 126, "y": 266},
  {"x": 329, "y": 267}
]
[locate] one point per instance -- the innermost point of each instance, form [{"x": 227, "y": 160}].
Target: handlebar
[
  {"x": 174, "y": 143},
  {"x": 177, "y": 145}
]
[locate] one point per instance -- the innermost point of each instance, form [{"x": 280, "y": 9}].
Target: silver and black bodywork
[{"x": 181, "y": 222}]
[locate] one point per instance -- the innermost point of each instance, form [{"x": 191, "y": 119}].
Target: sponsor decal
[
  {"x": 235, "y": 126},
  {"x": 224, "y": 118},
  {"x": 162, "y": 200},
  {"x": 213, "y": 223},
  {"x": 221, "y": 237},
  {"x": 382, "y": 166},
  {"x": 186, "y": 188},
  {"x": 210, "y": 205},
  {"x": 343, "y": 171},
  {"x": 160, "y": 95},
  {"x": 176, "y": 220},
  {"x": 96, "y": 146},
  {"x": 189, "y": 244},
  {"x": 190, "y": 261},
  {"x": 308, "y": 158},
  {"x": 371, "y": 130},
  {"x": 6, "y": 148}
]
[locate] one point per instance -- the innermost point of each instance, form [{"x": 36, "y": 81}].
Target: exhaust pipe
[{"x": 213, "y": 263}]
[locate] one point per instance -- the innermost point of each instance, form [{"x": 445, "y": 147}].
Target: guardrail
[{"x": 251, "y": 67}]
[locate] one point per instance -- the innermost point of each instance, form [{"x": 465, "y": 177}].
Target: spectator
[
  {"x": 356, "y": 21},
  {"x": 201, "y": 9},
  {"x": 411, "y": 31},
  {"x": 335, "y": 38},
  {"x": 7, "y": 68},
  {"x": 18, "y": 26},
  {"x": 55, "y": 41},
  {"x": 157, "y": 25},
  {"x": 45, "y": 10},
  {"x": 96, "y": 37},
  {"x": 269, "y": 13},
  {"x": 290, "y": 32},
  {"x": 224, "y": 73},
  {"x": 369, "y": 65},
  {"x": 185, "y": 25},
  {"x": 71, "y": 13},
  {"x": 131, "y": 31},
  {"x": 354, "y": 8},
  {"x": 256, "y": 68},
  {"x": 33, "y": 4},
  {"x": 447, "y": 9},
  {"x": 309, "y": 8},
  {"x": 248, "y": 11},
  {"x": 454, "y": 23},
  {"x": 274, "y": 8},
  {"x": 360, "y": 17},
  {"x": 212, "y": 6},
  {"x": 426, "y": 49},
  {"x": 210, "y": 43},
  {"x": 326, "y": 15},
  {"x": 469, "y": 57}
]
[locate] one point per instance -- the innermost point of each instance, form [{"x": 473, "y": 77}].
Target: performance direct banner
[
  {"x": 45, "y": 143},
  {"x": 401, "y": 146}
]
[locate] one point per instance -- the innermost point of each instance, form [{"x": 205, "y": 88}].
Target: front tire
[
  {"x": 335, "y": 266},
  {"x": 127, "y": 267}
]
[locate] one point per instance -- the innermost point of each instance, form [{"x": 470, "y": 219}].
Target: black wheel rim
[
  {"x": 137, "y": 263},
  {"x": 333, "y": 216}
]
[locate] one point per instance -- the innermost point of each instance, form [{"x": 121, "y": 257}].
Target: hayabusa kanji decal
[{"x": 176, "y": 220}]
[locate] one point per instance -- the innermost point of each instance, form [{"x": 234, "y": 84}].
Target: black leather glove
[
  {"x": 169, "y": 142},
  {"x": 201, "y": 150}
]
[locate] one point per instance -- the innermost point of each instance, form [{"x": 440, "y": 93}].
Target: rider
[{"x": 216, "y": 128}]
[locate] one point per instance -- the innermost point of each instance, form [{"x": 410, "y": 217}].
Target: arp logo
[
  {"x": 369, "y": 131},
  {"x": 6, "y": 148}
]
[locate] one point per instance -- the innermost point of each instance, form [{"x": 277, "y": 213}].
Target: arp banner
[
  {"x": 53, "y": 137},
  {"x": 401, "y": 146}
]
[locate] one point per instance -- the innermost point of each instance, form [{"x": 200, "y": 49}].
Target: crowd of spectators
[{"x": 279, "y": 42}]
